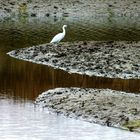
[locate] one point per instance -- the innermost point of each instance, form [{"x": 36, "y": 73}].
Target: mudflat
[
  {"x": 111, "y": 59},
  {"x": 65, "y": 8},
  {"x": 102, "y": 106}
]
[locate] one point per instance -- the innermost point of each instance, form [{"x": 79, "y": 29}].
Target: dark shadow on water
[{"x": 27, "y": 80}]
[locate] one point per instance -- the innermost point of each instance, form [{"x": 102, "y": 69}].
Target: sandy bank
[
  {"x": 102, "y": 106},
  {"x": 104, "y": 59}
]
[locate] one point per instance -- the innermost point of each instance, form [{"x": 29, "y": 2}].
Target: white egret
[{"x": 57, "y": 38}]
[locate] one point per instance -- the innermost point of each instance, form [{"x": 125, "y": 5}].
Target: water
[
  {"x": 21, "y": 82},
  {"x": 20, "y": 120}
]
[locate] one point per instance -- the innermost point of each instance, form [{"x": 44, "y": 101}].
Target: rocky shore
[
  {"x": 103, "y": 59},
  {"x": 102, "y": 106},
  {"x": 55, "y": 8}
]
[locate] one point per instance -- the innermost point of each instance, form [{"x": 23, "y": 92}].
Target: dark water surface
[
  {"x": 22, "y": 81},
  {"x": 27, "y": 80}
]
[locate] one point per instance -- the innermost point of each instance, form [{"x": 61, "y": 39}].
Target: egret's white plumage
[{"x": 57, "y": 38}]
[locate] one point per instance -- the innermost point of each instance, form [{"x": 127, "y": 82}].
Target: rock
[
  {"x": 60, "y": 55},
  {"x": 84, "y": 43},
  {"x": 33, "y": 15},
  {"x": 110, "y": 5},
  {"x": 47, "y": 15},
  {"x": 8, "y": 10},
  {"x": 65, "y": 14},
  {"x": 59, "y": 92},
  {"x": 55, "y": 7},
  {"x": 12, "y": 3},
  {"x": 108, "y": 123},
  {"x": 35, "y": 7}
]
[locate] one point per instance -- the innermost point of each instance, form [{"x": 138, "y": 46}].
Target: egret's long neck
[{"x": 64, "y": 32}]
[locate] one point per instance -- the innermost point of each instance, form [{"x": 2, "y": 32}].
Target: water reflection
[
  {"x": 27, "y": 80},
  {"x": 22, "y": 121},
  {"x": 23, "y": 34}
]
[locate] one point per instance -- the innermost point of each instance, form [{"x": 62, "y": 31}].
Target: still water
[
  {"x": 21, "y": 82},
  {"x": 21, "y": 121}
]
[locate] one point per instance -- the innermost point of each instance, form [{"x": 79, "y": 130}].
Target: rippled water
[
  {"x": 21, "y": 82},
  {"x": 27, "y": 32}
]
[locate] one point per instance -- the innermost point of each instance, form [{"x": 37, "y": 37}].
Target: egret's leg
[{"x": 55, "y": 45}]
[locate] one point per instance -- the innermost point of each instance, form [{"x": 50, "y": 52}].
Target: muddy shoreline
[
  {"x": 75, "y": 8},
  {"x": 104, "y": 59},
  {"x": 95, "y": 58},
  {"x": 102, "y": 106}
]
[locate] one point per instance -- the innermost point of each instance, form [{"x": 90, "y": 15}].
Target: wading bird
[{"x": 57, "y": 38}]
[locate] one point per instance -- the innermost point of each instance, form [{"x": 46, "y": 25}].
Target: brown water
[
  {"x": 27, "y": 80},
  {"x": 22, "y": 81}
]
